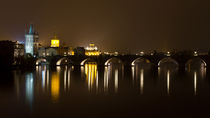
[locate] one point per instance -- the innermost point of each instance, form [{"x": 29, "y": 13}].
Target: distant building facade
[
  {"x": 79, "y": 51},
  {"x": 92, "y": 50},
  {"x": 54, "y": 51},
  {"x": 11, "y": 52}
]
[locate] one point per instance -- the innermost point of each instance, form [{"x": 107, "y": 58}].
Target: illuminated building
[
  {"x": 92, "y": 50},
  {"x": 55, "y": 51},
  {"x": 71, "y": 51},
  {"x": 31, "y": 41},
  {"x": 55, "y": 42}
]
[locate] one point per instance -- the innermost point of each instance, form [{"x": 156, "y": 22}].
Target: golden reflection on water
[
  {"x": 55, "y": 87},
  {"x": 91, "y": 75}
]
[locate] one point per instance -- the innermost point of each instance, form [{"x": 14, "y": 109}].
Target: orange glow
[
  {"x": 90, "y": 72},
  {"x": 55, "y": 87},
  {"x": 92, "y": 53}
]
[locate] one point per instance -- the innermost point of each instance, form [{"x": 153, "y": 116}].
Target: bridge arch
[
  {"x": 140, "y": 60},
  {"x": 41, "y": 61},
  {"x": 168, "y": 61},
  {"x": 63, "y": 61},
  {"x": 113, "y": 60},
  {"x": 195, "y": 63},
  {"x": 87, "y": 60}
]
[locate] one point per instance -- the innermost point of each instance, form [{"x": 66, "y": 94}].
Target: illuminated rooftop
[
  {"x": 55, "y": 42},
  {"x": 92, "y": 50}
]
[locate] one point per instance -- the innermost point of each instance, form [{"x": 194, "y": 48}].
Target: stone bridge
[{"x": 126, "y": 60}]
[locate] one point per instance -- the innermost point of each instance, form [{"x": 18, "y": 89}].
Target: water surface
[{"x": 110, "y": 91}]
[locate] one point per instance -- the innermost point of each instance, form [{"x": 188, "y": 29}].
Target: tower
[
  {"x": 55, "y": 42},
  {"x": 31, "y": 41}
]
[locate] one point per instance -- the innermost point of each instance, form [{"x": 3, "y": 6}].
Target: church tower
[{"x": 31, "y": 39}]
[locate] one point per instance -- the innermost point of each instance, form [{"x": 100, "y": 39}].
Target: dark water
[{"x": 113, "y": 91}]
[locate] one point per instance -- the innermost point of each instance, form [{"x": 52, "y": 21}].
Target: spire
[{"x": 31, "y": 29}]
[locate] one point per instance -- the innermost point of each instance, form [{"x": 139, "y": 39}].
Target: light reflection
[
  {"x": 168, "y": 74},
  {"x": 29, "y": 88},
  {"x": 97, "y": 82},
  {"x": 138, "y": 73},
  {"x": 55, "y": 87},
  {"x": 43, "y": 79},
  {"x": 168, "y": 82},
  {"x": 69, "y": 78},
  {"x": 116, "y": 80},
  {"x": 198, "y": 74},
  {"x": 195, "y": 83},
  {"x": 65, "y": 78},
  {"x": 17, "y": 83},
  {"x": 133, "y": 74},
  {"x": 91, "y": 76},
  {"x": 141, "y": 81},
  {"x": 111, "y": 78},
  {"x": 48, "y": 79},
  {"x": 106, "y": 81}
]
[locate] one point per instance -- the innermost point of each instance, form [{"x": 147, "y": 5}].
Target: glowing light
[
  {"x": 195, "y": 53},
  {"x": 168, "y": 54},
  {"x": 141, "y": 53},
  {"x": 55, "y": 43},
  {"x": 71, "y": 52}
]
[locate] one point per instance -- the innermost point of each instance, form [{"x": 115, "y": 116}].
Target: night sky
[{"x": 121, "y": 25}]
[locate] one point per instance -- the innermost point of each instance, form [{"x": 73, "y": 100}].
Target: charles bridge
[{"x": 126, "y": 60}]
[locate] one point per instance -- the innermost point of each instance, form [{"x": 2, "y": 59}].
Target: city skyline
[{"x": 124, "y": 26}]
